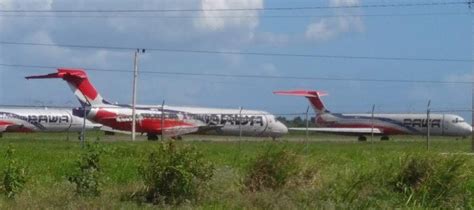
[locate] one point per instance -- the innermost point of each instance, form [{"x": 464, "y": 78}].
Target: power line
[
  {"x": 239, "y": 16},
  {"x": 244, "y": 53},
  {"x": 250, "y": 75},
  {"x": 126, "y": 106},
  {"x": 241, "y": 9}
]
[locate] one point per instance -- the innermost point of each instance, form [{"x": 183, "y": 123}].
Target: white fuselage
[
  {"x": 389, "y": 124},
  {"x": 234, "y": 121},
  {"x": 28, "y": 119},
  {"x": 231, "y": 122}
]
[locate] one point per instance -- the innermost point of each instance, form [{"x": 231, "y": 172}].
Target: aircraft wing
[
  {"x": 109, "y": 129},
  {"x": 172, "y": 130},
  {"x": 13, "y": 128},
  {"x": 207, "y": 128},
  {"x": 341, "y": 130},
  {"x": 180, "y": 130},
  {"x": 3, "y": 128}
]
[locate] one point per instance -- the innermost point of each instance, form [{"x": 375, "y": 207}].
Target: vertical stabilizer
[
  {"x": 79, "y": 84},
  {"x": 313, "y": 96}
]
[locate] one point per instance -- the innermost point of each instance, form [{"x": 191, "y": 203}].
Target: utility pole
[
  {"x": 307, "y": 123},
  {"x": 240, "y": 124},
  {"x": 83, "y": 131},
  {"x": 428, "y": 125},
  {"x": 134, "y": 90},
  {"x": 163, "y": 121},
  {"x": 472, "y": 79},
  {"x": 372, "y": 122},
  {"x": 307, "y": 130}
]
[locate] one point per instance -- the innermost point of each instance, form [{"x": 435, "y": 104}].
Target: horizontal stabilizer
[
  {"x": 79, "y": 83},
  {"x": 305, "y": 93},
  {"x": 341, "y": 130},
  {"x": 313, "y": 96},
  {"x": 62, "y": 73}
]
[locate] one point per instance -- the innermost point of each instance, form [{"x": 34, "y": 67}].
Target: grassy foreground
[{"x": 339, "y": 161}]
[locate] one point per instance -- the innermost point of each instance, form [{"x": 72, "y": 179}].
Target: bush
[
  {"x": 271, "y": 170},
  {"x": 174, "y": 174},
  {"x": 14, "y": 176},
  {"x": 87, "y": 175},
  {"x": 434, "y": 181},
  {"x": 414, "y": 172}
]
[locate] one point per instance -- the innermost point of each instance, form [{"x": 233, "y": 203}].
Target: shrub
[
  {"x": 271, "y": 170},
  {"x": 434, "y": 181},
  {"x": 414, "y": 172},
  {"x": 87, "y": 173},
  {"x": 14, "y": 176},
  {"x": 174, "y": 174}
]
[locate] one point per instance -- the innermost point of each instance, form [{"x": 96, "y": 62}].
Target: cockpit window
[{"x": 457, "y": 120}]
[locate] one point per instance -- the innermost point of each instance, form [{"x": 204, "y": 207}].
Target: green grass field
[{"x": 338, "y": 159}]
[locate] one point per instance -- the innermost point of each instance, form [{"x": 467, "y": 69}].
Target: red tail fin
[
  {"x": 311, "y": 95},
  {"x": 79, "y": 83}
]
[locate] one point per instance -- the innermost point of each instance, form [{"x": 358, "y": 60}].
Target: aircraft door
[
  {"x": 444, "y": 126},
  {"x": 267, "y": 128}
]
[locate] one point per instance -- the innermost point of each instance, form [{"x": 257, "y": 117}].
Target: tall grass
[
  {"x": 174, "y": 174},
  {"x": 435, "y": 181},
  {"x": 395, "y": 174}
]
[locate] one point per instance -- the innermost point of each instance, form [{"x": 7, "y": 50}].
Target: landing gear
[
  {"x": 152, "y": 137},
  {"x": 109, "y": 133},
  {"x": 384, "y": 138},
  {"x": 177, "y": 137},
  {"x": 362, "y": 138}
]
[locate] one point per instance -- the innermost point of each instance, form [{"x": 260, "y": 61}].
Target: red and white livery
[
  {"x": 381, "y": 124},
  {"x": 173, "y": 121},
  {"x": 41, "y": 119}
]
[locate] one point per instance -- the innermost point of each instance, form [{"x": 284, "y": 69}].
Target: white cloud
[
  {"x": 227, "y": 34},
  {"x": 209, "y": 21},
  {"x": 269, "y": 69},
  {"x": 29, "y": 4},
  {"x": 460, "y": 77},
  {"x": 328, "y": 28},
  {"x": 23, "y": 5},
  {"x": 271, "y": 38},
  {"x": 321, "y": 30},
  {"x": 338, "y": 3}
]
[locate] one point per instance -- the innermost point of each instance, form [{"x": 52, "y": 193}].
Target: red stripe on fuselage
[
  {"x": 104, "y": 114},
  {"x": 109, "y": 118},
  {"x": 5, "y": 123},
  {"x": 15, "y": 128}
]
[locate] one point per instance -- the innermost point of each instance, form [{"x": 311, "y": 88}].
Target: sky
[{"x": 376, "y": 32}]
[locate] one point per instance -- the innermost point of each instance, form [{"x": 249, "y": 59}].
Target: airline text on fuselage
[
  {"x": 37, "y": 118},
  {"x": 422, "y": 123}
]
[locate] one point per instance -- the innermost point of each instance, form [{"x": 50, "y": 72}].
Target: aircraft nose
[
  {"x": 468, "y": 129},
  {"x": 280, "y": 129}
]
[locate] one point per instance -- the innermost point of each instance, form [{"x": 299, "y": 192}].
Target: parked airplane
[
  {"x": 29, "y": 119},
  {"x": 381, "y": 124},
  {"x": 176, "y": 120}
]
